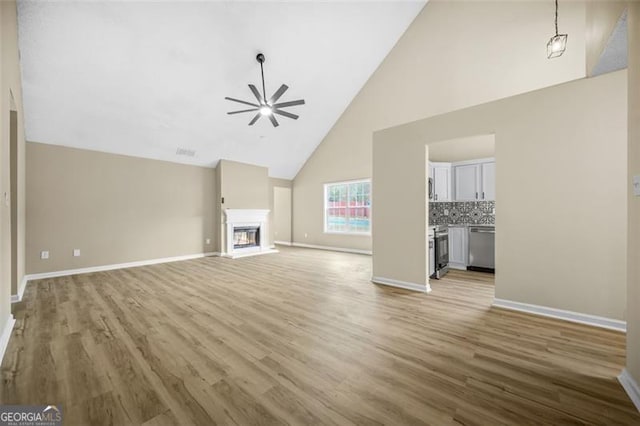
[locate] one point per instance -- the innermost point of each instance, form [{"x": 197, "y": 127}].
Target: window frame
[{"x": 325, "y": 207}]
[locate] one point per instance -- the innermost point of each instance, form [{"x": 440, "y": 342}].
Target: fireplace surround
[{"x": 247, "y": 232}]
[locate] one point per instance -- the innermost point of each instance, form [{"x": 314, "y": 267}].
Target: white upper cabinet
[
  {"x": 474, "y": 180},
  {"x": 441, "y": 182},
  {"x": 467, "y": 182},
  {"x": 440, "y": 174},
  {"x": 488, "y": 181}
]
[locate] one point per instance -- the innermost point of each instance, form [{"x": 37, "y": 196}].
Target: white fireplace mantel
[{"x": 236, "y": 218}]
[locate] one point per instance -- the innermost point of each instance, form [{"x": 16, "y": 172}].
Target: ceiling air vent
[{"x": 186, "y": 152}]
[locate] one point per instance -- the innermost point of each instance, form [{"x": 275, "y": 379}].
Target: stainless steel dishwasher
[{"x": 482, "y": 248}]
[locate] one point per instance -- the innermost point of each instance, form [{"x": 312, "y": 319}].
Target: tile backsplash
[{"x": 462, "y": 213}]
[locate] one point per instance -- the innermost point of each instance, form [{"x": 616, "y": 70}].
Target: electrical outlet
[
  {"x": 76, "y": 252},
  {"x": 44, "y": 254},
  {"x": 305, "y": 235},
  {"x": 207, "y": 241}
]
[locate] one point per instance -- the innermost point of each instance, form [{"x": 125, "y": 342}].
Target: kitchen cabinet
[
  {"x": 488, "y": 181},
  {"x": 458, "y": 247},
  {"x": 474, "y": 181},
  {"x": 467, "y": 179},
  {"x": 440, "y": 174}
]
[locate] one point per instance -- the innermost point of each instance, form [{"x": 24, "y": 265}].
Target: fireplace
[
  {"x": 247, "y": 233},
  {"x": 246, "y": 236}
]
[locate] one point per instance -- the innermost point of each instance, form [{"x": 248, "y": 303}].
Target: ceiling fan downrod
[{"x": 260, "y": 58}]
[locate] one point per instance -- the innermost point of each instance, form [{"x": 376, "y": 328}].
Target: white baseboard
[
  {"x": 631, "y": 387},
  {"x": 545, "y": 311},
  {"x": 18, "y": 297},
  {"x": 283, "y": 243},
  {"x": 6, "y": 335},
  {"x": 341, "y": 249},
  {"x": 117, "y": 266},
  {"x": 402, "y": 284}
]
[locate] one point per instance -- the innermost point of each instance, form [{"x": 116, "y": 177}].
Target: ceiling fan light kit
[
  {"x": 558, "y": 43},
  {"x": 266, "y": 107}
]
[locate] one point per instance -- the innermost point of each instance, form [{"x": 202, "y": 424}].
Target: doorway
[
  {"x": 282, "y": 215},
  {"x": 462, "y": 205}
]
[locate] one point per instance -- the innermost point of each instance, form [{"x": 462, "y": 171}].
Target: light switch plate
[{"x": 636, "y": 185}]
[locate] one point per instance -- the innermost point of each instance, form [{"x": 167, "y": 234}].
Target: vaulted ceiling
[{"x": 149, "y": 78}]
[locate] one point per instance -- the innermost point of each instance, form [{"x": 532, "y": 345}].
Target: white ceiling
[
  {"x": 146, "y": 78},
  {"x": 614, "y": 55}
]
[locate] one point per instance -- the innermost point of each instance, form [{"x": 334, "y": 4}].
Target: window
[{"x": 347, "y": 207}]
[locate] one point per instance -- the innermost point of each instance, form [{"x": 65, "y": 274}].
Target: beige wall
[
  {"x": 461, "y": 149},
  {"x": 455, "y": 54},
  {"x": 218, "y": 214},
  {"x": 10, "y": 98},
  {"x": 633, "y": 290},
  {"x": 114, "y": 208},
  {"x": 280, "y": 206},
  {"x": 243, "y": 186},
  {"x": 561, "y": 198},
  {"x": 601, "y": 19}
]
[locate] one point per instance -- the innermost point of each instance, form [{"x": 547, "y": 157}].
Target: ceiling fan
[{"x": 267, "y": 107}]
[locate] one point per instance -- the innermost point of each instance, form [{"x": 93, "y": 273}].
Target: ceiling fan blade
[
  {"x": 242, "y": 102},
  {"x": 256, "y": 93},
  {"x": 290, "y": 103},
  {"x": 273, "y": 120},
  {"x": 244, "y": 110},
  {"x": 252, "y": 122},
  {"x": 285, "y": 113},
  {"x": 278, "y": 93}
]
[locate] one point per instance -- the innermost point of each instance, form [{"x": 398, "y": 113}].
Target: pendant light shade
[
  {"x": 558, "y": 43},
  {"x": 556, "y": 46}
]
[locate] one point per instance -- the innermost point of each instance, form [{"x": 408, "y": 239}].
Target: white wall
[
  {"x": 455, "y": 54},
  {"x": 560, "y": 194}
]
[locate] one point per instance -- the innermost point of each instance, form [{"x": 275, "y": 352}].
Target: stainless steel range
[{"x": 441, "y": 248}]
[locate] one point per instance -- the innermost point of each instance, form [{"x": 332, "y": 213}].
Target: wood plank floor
[{"x": 301, "y": 337}]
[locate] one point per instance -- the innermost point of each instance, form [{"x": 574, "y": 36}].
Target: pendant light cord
[{"x": 556, "y": 25}]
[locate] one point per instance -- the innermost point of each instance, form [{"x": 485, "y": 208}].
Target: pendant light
[{"x": 558, "y": 43}]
